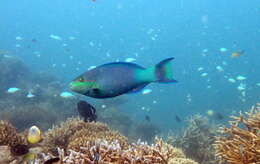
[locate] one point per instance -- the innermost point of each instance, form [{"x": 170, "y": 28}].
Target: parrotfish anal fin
[{"x": 138, "y": 89}]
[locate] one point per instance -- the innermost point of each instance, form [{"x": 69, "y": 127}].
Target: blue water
[{"x": 149, "y": 31}]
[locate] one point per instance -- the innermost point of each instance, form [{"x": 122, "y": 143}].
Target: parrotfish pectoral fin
[
  {"x": 138, "y": 89},
  {"x": 163, "y": 71}
]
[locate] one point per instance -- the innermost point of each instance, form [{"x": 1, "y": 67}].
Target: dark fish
[
  {"x": 52, "y": 160},
  {"x": 147, "y": 118},
  {"x": 177, "y": 118},
  {"x": 114, "y": 79},
  {"x": 67, "y": 49},
  {"x": 218, "y": 116},
  {"x": 18, "y": 150},
  {"x": 87, "y": 111},
  {"x": 34, "y": 40}
]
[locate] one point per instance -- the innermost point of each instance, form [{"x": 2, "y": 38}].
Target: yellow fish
[
  {"x": 34, "y": 135},
  {"x": 237, "y": 54},
  {"x": 29, "y": 158},
  {"x": 210, "y": 112}
]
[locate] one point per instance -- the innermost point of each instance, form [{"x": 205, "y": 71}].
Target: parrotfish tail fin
[{"x": 163, "y": 71}]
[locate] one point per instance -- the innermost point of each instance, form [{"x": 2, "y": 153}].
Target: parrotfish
[{"x": 117, "y": 78}]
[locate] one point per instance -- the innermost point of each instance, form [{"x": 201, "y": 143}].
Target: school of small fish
[{"x": 239, "y": 80}]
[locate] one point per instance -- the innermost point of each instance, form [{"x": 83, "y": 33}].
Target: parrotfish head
[{"x": 83, "y": 86}]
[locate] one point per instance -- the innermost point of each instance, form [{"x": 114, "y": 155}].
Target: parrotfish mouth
[
  {"x": 79, "y": 87},
  {"x": 73, "y": 86}
]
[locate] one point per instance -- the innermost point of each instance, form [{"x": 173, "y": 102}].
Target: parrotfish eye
[{"x": 81, "y": 79}]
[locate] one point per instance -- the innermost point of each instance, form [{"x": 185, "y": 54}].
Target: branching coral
[
  {"x": 241, "y": 142},
  {"x": 84, "y": 136},
  {"x": 9, "y": 135},
  {"x": 59, "y": 135},
  {"x": 197, "y": 140},
  {"x": 103, "y": 152},
  {"x": 76, "y": 141},
  {"x": 75, "y": 133}
]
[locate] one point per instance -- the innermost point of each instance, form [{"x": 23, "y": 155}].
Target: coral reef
[
  {"x": 59, "y": 135},
  {"x": 103, "y": 152},
  {"x": 197, "y": 140},
  {"x": 5, "y": 155},
  {"x": 9, "y": 135},
  {"x": 76, "y": 141},
  {"x": 75, "y": 133},
  {"x": 84, "y": 136},
  {"x": 12, "y": 144},
  {"x": 240, "y": 143}
]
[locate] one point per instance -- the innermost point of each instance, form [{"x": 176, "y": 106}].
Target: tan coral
[
  {"x": 9, "y": 135},
  {"x": 5, "y": 155},
  {"x": 61, "y": 135},
  {"x": 103, "y": 152},
  {"x": 241, "y": 142},
  {"x": 83, "y": 136},
  {"x": 77, "y": 142},
  {"x": 181, "y": 161}
]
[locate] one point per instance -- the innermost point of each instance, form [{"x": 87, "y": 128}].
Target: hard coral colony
[
  {"x": 76, "y": 141},
  {"x": 240, "y": 144}
]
